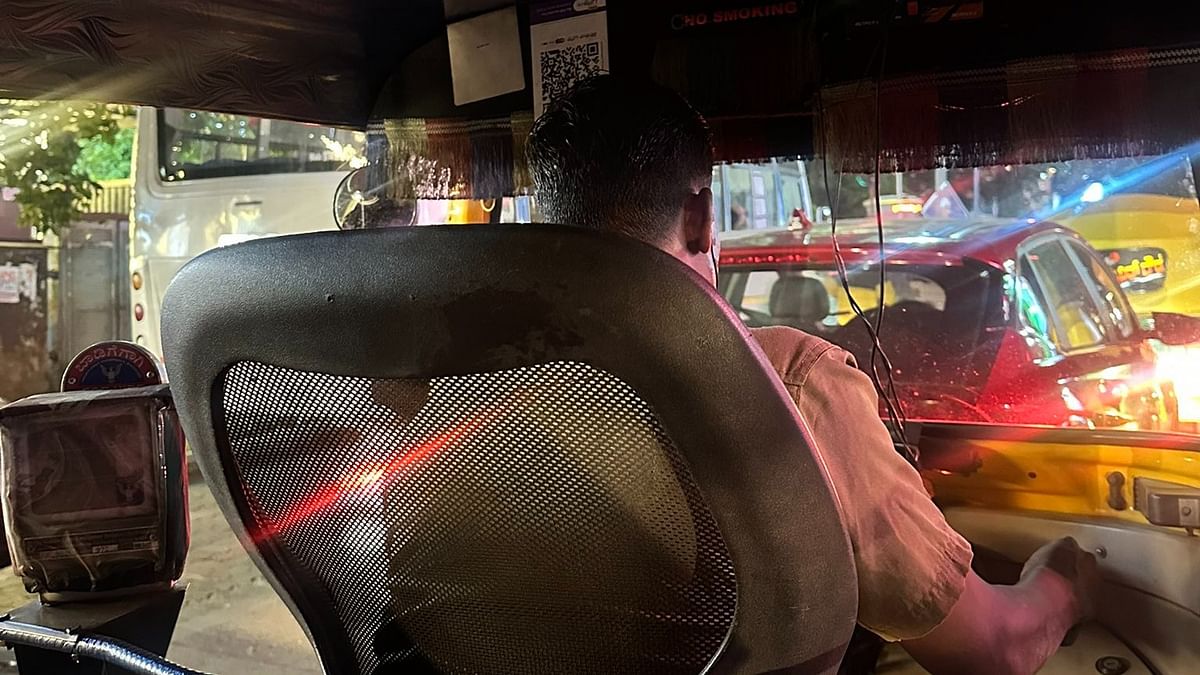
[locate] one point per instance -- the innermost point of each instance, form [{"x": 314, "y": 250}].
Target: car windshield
[{"x": 1011, "y": 294}]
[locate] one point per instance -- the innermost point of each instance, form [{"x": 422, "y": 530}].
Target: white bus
[{"x": 204, "y": 179}]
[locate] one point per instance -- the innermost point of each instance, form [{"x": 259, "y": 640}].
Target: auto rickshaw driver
[{"x": 635, "y": 158}]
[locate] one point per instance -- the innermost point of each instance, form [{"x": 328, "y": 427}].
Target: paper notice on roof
[
  {"x": 569, "y": 43},
  {"x": 485, "y": 56}
]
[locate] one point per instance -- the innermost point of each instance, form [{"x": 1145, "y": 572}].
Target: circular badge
[{"x": 113, "y": 365}]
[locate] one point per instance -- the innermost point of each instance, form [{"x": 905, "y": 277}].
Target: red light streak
[{"x": 369, "y": 477}]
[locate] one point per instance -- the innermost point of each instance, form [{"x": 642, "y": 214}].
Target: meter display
[
  {"x": 81, "y": 470},
  {"x": 94, "y": 490}
]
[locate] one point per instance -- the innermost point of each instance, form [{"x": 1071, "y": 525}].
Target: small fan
[{"x": 351, "y": 200}]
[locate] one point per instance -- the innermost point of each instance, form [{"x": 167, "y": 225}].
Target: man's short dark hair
[{"x": 620, "y": 155}]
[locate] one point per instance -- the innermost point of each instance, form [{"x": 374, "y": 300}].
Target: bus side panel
[{"x": 177, "y": 220}]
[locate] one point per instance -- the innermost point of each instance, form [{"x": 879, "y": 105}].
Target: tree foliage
[
  {"x": 102, "y": 159},
  {"x": 41, "y": 143}
]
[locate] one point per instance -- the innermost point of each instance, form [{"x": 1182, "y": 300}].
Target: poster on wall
[
  {"x": 17, "y": 282},
  {"x": 569, "y": 41},
  {"x": 9, "y": 290},
  {"x": 24, "y": 335}
]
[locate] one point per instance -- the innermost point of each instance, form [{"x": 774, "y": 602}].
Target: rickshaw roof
[{"x": 959, "y": 83}]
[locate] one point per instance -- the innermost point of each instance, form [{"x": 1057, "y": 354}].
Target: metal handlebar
[{"x": 114, "y": 652}]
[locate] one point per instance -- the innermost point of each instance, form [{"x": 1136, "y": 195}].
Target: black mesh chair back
[{"x": 507, "y": 449}]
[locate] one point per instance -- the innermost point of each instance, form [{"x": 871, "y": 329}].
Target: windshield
[
  {"x": 1013, "y": 293},
  {"x": 767, "y": 194}
]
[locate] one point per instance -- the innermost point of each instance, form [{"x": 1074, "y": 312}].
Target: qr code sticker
[{"x": 561, "y": 68}]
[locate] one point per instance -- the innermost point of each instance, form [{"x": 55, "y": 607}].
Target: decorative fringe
[
  {"x": 451, "y": 159},
  {"x": 1119, "y": 104},
  {"x": 1116, "y": 104}
]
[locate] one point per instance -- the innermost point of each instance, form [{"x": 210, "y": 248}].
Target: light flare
[{"x": 368, "y": 478}]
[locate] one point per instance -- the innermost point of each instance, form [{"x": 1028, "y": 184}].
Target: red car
[{"x": 984, "y": 321}]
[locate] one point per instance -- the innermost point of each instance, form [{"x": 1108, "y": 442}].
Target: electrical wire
[
  {"x": 888, "y": 395},
  {"x": 901, "y": 419}
]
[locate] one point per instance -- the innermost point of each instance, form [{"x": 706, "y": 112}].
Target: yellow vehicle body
[
  {"x": 1006, "y": 489},
  {"x": 1165, "y": 231},
  {"x": 1153, "y": 242},
  {"x": 1038, "y": 472}
]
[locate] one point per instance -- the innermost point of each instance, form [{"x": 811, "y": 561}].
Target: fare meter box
[{"x": 94, "y": 491}]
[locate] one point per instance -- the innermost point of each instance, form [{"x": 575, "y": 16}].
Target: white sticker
[
  {"x": 485, "y": 56},
  {"x": 16, "y": 281},
  {"x": 569, "y": 43}
]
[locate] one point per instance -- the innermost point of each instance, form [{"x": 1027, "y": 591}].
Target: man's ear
[{"x": 698, "y": 221}]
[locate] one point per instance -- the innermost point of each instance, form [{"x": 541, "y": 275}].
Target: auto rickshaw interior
[{"x": 290, "y": 395}]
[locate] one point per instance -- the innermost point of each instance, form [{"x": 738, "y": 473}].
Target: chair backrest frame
[{"x": 451, "y": 300}]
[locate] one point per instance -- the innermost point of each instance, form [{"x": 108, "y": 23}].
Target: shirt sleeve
[{"x": 912, "y": 566}]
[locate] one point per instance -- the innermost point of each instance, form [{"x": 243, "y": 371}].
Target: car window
[
  {"x": 1035, "y": 321},
  {"x": 757, "y": 293},
  {"x": 937, "y": 319},
  {"x": 1112, "y": 301},
  {"x": 777, "y": 297},
  {"x": 1078, "y": 321}
]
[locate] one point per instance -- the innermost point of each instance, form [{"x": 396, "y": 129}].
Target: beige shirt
[{"x": 911, "y": 566}]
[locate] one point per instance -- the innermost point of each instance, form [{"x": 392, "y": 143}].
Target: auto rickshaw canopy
[{"x": 888, "y": 85}]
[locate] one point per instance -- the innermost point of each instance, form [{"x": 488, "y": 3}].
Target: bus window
[
  {"x": 195, "y": 144},
  {"x": 791, "y": 192}
]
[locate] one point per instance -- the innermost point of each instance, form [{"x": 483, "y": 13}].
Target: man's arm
[
  {"x": 915, "y": 581},
  {"x": 1011, "y": 629}
]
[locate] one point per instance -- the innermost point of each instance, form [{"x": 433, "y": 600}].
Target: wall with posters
[{"x": 24, "y": 352}]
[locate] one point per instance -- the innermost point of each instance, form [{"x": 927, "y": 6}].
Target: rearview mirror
[{"x": 1175, "y": 329}]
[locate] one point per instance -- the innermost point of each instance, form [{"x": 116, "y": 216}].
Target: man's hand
[
  {"x": 1013, "y": 629},
  {"x": 1076, "y": 567}
]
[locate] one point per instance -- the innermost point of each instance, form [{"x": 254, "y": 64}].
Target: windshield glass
[{"x": 1011, "y": 294}]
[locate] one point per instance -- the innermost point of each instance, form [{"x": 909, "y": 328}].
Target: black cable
[
  {"x": 888, "y": 395},
  {"x": 843, "y": 276},
  {"x": 875, "y": 348},
  {"x": 901, "y": 419}
]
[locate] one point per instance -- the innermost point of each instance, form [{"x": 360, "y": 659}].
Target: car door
[
  {"x": 1078, "y": 326},
  {"x": 1149, "y": 397},
  {"x": 1104, "y": 369}
]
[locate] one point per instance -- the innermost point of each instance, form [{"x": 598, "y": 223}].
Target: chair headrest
[{"x": 799, "y": 299}]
